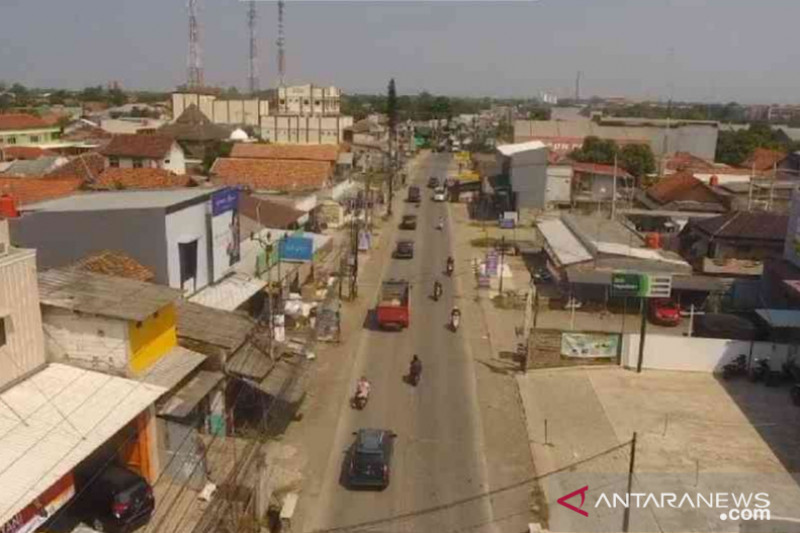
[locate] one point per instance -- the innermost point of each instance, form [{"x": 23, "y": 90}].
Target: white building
[
  {"x": 308, "y": 100},
  {"x": 145, "y": 151},
  {"x": 526, "y": 166},
  {"x": 298, "y": 129},
  {"x": 247, "y": 112}
]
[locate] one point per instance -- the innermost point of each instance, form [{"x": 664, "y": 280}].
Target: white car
[{"x": 438, "y": 195}]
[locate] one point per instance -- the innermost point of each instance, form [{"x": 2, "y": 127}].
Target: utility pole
[
  {"x": 391, "y": 110},
  {"x": 750, "y": 188},
  {"x": 614, "y": 190},
  {"x": 502, "y": 260},
  {"x": 642, "y": 333},
  {"x": 626, "y": 517}
]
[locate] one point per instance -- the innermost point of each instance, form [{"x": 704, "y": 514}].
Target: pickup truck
[{"x": 393, "y": 310}]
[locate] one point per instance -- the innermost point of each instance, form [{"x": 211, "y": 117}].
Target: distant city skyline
[{"x": 690, "y": 50}]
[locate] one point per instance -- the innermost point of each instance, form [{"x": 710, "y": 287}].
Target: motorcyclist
[
  {"x": 450, "y": 264},
  {"x": 362, "y": 388},
  {"x": 440, "y": 225},
  {"x": 416, "y": 366},
  {"x": 455, "y": 317},
  {"x": 437, "y": 289}
]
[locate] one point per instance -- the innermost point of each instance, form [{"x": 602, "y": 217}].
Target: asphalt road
[{"x": 438, "y": 469}]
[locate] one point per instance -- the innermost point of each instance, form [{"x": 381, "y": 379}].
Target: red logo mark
[{"x": 582, "y": 491}]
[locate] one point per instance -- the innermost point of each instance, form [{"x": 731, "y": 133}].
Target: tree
[
  {"x": 117, "y": 96},
  {"x": 637, "y": 159},
  {"x": 218, "y": 149},
  {"x": 391, "y": 106},
  {"x": 595, "y": 150},
  {"x": 92, "y": 94}
]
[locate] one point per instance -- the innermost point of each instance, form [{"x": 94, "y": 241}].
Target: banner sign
[
  {"x": 296, "y": 249},
  {"x": 638, "y": 285},
  {"x": 224, "y": 200}
]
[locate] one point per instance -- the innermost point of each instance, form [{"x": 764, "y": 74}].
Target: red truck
[{"x": 393, "y": 310}]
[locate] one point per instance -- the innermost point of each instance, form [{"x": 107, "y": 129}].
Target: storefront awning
[
  {"x": 780, "y": 318},
  {"x": 173, "y": 368},
  {"x": 229, "y": 293},
  {"x": 251, "y": 362},
  {"x": 187, "y": 397},
  {"x": 55, "y": 419}
]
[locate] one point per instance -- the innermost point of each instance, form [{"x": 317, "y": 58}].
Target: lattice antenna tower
[
  {"x": 281, "y": 42},
  {"x": 252, "y": 80},
  {"x": 195, "y": 68}
]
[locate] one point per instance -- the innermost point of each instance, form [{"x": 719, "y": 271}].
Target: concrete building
[
  {"x": 21, "y": 338},
  {"x": 559, "y": 186},
  {"x": 698, "y": 138},
  {"x": 305, "y": 129},
  {"x": 526, "y": 166},
  {"x": 239, "y": 112},
  {"x": 145, "y": 151},
  {"x": 192, "y": 236},
  {"x": 308, "y": 100},
  {"x": 27, "y": 130},
  {"x": 595, "y": 184}
]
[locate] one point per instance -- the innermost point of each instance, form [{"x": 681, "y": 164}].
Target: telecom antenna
[
  {"x": 578, "y": 87},
  {"x": 281, "y": 42},
  {"x": 251, "y": 25},
  {"x": 195, "y": 70}
]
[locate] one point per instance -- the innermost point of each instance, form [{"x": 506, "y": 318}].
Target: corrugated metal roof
[
  {"x": 68, "y": 413},
  {"x": 563, "y": 243},
  {"x": 229, "y": 293},
  {"x": 250, "y": 362},
  {"x": 186, "y": 399},
  {"x": 286, "y": 381},
  {"x": 102, "y": 295},
  {"x": 780, "y": 318},
  {"x": 208, "y": 325},
  {"x": 173, "y": 367}
]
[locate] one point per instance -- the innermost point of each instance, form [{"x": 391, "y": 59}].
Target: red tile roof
[
  {"x": 30, "y": 190},
  {"x": 682, "y": 187},
  {"x": 685, "y": 160},
  {"x": 146, "y": 146},
  {"x": 596, "y": 168},
  {"x": 319, "y": 152},
  {"x": 10, "y": 153},
  {"x": 764, "y": 159},
  {"x": 86, "y": 132},
  {"x": 87, "y": 166},
  {"x": 22, "y": 121},
  {"x": 271, "y": 175},
  {"x": 140, "y": 178},
  {"x": 112, "y": 263}
]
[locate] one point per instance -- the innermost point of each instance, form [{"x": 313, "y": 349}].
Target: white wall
[
  {"x": 19, "y": 302},
  {"x": 175, "y": 161},
  {"x": 88, "y": 341},
  {"x": 671, "y": 352},
  {"x": 559, "y": 184},
  {"x": 184, "y": 226}
]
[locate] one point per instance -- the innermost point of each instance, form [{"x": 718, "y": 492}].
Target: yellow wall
[{"x": 153, "y": 338}]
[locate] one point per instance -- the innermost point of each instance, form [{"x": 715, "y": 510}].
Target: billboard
[
  {"x": 225, "y": 238},
  {"x": 296, "y": 249},
  {"x": 637, "y": 284}
]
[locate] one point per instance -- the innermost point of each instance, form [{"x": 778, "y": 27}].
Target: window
[
  {"x": 137, "y": 163},
  {"x": 113, "y": 162},
  {"x": 11, "y": 140},
  {"x": 166, "y": 161},
  {"x": 34, "y": 138},
  {"x": 305, "y": 102},
  {"x": 317, "y": 103},
  {"x": 3, "y": 330}
]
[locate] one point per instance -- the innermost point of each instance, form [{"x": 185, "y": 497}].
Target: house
[
  {"x": 128, "y": 328},
  {"x": 735, "y": 243},
  {"x": 32, "y": 190},
  {"x": 780, "y": 282},
  {"x": 764, "y": 160},
  {"x": 19, "y": 129},
  {"x": 329, "y": 153},
  {"x": 192, "y": 234},
  {"x": 23, "y": 153},
  {"x": 270, "y": 175},
  {"x": 144, "y": 151},
  {"x": 681, "y": 192},
  {"x": 758, "y": 195},
  {"x": 789, "y": 167},
  {"x": 594, "y": 184},
  {"x": 257, "y": 212},
  {"x": 139, "y": 179},
  {"x": 195, "y": 133},
  {"x": 130, "y": 126},
  {"x": 525, "y": 164},
  {"x": 41, "y": 453},
  {"x": 87, "y": 167},
  {"x": 34, "y": 167},
  {"x": 684, "y": 161}
]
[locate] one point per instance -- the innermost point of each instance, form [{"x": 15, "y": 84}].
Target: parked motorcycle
[
  {"x": 760, "y": 370},
  {"x": 738, "y": 367}
]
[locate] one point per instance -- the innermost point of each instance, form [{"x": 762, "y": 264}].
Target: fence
[{"x": 670, "y": 352}]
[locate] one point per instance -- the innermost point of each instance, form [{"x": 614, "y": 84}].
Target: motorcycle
[
  {"x": 760, "y": 370},
  {"x": 736, "y": 368},
  {"x": 414, "y": 373},
  {"x": 455, "y": 319},
  {"x": 360, "y": 398},
  {"x": 449, "y": 268},
  {"x": 437, "y": 291}
]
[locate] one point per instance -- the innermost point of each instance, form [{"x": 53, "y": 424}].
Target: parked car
[
  {"x": 404, "y": 250},
  {"x": 116, "y": 500},
  {"x": 433, "y": 182},
  {"x": 409, "y": 222},
  {"x": 665, "y": 312},
  {"x": 439, "y": 194},
  {"x": 543, "y": 275},
  {"x": 414, "y": 195},
  {"x": 370, "y": 458}
]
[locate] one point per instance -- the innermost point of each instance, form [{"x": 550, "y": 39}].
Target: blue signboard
[
  {"x": 224, "y": 200},
  {"x": 296, "y": 249}
]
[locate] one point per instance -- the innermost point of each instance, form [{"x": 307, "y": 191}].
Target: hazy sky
[{"x": 707, "y": 50}]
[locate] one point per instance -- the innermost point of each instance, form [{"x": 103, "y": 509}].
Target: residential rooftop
[
  {"x": 102, "y": 295},
  {"x": 113, "y": 200}
]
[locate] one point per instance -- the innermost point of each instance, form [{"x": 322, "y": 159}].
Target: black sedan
[
  {"x": 409, "y": 222},
  {"x": 433, "y": 182},
  {"x": 370, "y": 458},
  {"x": 404, "y": 250}
]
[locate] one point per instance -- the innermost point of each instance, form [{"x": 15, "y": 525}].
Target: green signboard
[{"x": 639, "y": 285}]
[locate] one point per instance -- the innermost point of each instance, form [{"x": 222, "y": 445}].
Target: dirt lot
[{"x": 694, "y": 434}]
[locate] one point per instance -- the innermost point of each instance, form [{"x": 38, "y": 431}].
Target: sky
[{"x": 690, "y": 50}]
